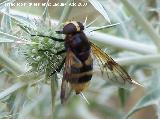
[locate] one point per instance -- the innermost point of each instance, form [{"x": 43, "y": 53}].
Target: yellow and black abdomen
[{"x": 81, "y": 74}]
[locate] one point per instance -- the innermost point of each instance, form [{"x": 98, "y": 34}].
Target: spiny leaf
[
  {"x": 65, "y": 13},
  {"x": 45, "y": 13},
  {"x": 6, "y": 22},
  {"x": 10, "y": 64},
  {"x": 11, "y": 89},
  {"x": 3, "y": 4},
  {"x": 99, "y": 7},
  {"x": 142, "y": 21},
  {"x": 7, "y": 36},
  {"x": 150, "y": 99},
  {"x": 29, "y": 107},
  {"x": 22, "y": 19},
  {"x": 18, "y": 102},
  {"x": 103, "y": 27}
]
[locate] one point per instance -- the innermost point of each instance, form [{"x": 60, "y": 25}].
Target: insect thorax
[{"x": 79, "y": 45}]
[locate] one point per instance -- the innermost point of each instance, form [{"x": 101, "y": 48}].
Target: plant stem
[
  {"x": 11, "y": 64},
  {"x": 12, "y": 89},
  {"x": 141, "y": 21},
  {"x": 147, "y": 59},
  {"x": 122, "y": 43}
]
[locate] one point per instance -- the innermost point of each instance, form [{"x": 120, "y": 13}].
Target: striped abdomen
[{"x": 81, "y": 74}]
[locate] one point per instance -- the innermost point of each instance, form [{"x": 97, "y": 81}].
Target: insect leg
[
  {"x": 53, "y": 38},
  {"x": 60, "y": 52},
  {"x": 59, "y": 68}
]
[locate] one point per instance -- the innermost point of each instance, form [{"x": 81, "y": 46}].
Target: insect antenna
[{"x": 82, "y": 96}]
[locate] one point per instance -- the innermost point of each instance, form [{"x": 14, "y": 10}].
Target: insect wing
[
  {"x": 115, "y": 73},
  {"x": 65, "y": 88}
]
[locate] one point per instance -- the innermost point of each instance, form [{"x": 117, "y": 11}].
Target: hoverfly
[{"x": 78, "y": 61}]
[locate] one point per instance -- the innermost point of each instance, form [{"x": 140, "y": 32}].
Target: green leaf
[
  {"x": 65, "y": 14},
  {"x": 142, "y": 21},
  {"x": 99, "y": 7},
  {"x": 3, "y": 4},
  {"x": 105, "y": 110},
  {"x": 123, "y": 95},
  {"x": 150, "y": 99},
  {"x": 5, "y": 37},
  {"x": 6, "y": 22},
  {"x": 10, "y": 64},
  {"x": 11, "y": 89},
  {"x": 5, "y": 115},
  {"x": 30, "y": 106},
  {"x": 45, "y": 13},
  {"x": 24, "y": 28},
  {"x": 53, "y": 90},
  {"x": 29, "y": 77},
  {"x": 18, "y": 102},
  {"x": 2, "y": 40},
  {"x": 22, "y": 19},
  {"x": 102, "y": 27}
]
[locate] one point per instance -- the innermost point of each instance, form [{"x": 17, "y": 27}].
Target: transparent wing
[
  {"x": 115, "y": 73},
  {"x": 65, "y": 88}
]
